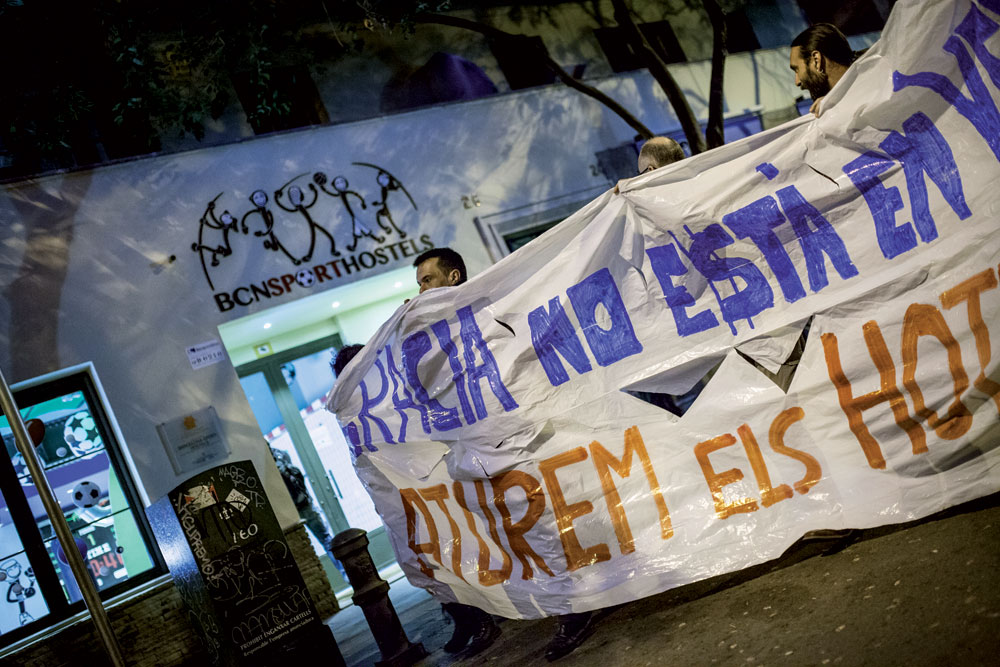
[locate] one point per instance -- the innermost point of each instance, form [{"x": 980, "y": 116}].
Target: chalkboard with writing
[{"x": 232, "y": 566}]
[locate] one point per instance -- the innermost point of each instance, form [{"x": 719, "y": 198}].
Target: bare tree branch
[
  {"x": 497, "y": 34},
  {"x": 715, "y": 132},
  {"x": 659, "y": 70}
]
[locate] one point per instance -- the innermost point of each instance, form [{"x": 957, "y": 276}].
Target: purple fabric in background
[{"x": 444, "y": 78}]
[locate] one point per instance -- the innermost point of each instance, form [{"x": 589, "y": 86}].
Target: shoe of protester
[
  {"x": 572, "y": 630},
  {"x": 485, "y": 633},
  {"x": 842, "y": 541},
  {"x": 839, "y": 539},
  {"x": 465, "y": 626}
]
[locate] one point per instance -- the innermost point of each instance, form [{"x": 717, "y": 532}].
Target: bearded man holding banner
[{"x": 820, "y": 56}]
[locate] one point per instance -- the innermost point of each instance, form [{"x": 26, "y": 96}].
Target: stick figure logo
[
  {"x": 313, "y": 203},
  {"x": 388, "y": 183},
  {"x": 343, "y": 191}
]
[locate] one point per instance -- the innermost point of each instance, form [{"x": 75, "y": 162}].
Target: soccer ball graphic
[
  {"x": 80, "y": 433},
  {"x": 305, "y": 278},
  {"x": 86, "y": 494}
]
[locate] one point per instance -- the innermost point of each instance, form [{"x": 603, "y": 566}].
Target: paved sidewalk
[{"x": 925, "y": 593}]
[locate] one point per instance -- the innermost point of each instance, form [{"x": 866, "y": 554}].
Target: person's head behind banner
[
  {"x": 440, "y": 267},
  {"x": 659, "y": 152},
  {"x": 819, "y": 56},
  {"x": 344, "y": 356}
]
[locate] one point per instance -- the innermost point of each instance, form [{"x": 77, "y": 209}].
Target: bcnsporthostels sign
[{"x": 300, "y": 222}]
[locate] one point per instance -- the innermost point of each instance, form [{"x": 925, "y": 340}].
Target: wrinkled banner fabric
[{"x": 489, "y": 421}]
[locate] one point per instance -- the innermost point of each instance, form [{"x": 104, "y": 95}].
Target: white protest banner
[{"x": 489, "y": 423}]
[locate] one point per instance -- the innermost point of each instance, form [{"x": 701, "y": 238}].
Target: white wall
[{"x": 357, "y": 326}]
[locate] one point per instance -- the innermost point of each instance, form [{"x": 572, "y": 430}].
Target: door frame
[
  {"x": 322, "y": 482},
  {"x": 270, "y": 366}
]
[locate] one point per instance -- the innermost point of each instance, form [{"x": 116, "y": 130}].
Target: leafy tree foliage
[{"x": 107, "y": 79}]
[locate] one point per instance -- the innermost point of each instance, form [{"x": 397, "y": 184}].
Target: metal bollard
[{"x": 371, "y": 593}]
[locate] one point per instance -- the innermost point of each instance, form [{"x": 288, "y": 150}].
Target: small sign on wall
[
  {"x": 205, "y": 354},
  {"x": 193, "y": 440},
  {"x": 263, "y": 350}
]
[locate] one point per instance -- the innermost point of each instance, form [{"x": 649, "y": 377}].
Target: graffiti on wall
[{"x": 303, "y": 222}]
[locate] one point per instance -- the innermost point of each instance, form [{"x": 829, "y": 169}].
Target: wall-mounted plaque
[{"x": 194, "y": 440}]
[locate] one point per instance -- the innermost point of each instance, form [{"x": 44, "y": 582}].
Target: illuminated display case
[{"x": 83, "y": 461}]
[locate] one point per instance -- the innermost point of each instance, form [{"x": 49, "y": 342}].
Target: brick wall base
[{"x": 312, "y": 571}]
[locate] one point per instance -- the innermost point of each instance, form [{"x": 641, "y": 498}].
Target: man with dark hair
[
  {"x": 475, "y": 630},
  {"x": 440, "y": 267},
  {"x": 344, "y": 356},
  {"x": 443, "y": 267},
  {"x": 819, "y": 56}
]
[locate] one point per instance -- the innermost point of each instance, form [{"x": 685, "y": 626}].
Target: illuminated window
[
  {"x": 521, "y": 62},
  {"x": 853, "y": 18},
  {"x": 84, "y": 465},
  {"x": 740, "y": 34},
  {"x": 623, "y": 58}
]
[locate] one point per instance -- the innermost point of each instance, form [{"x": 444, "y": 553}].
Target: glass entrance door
[{"x": 287, "y": 392}]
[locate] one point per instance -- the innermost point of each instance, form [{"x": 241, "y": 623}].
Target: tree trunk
[
  {"x": 659, "y": 70},
  {"x": 561, "y": 74},
  {"x": 715, "y": 133}
]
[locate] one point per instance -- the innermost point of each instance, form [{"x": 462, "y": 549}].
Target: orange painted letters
[
  {"x": 576, "y": 555},
  {"x": 439, "y": 494},
  {"x": 515, "y": 531},
  {"x": 605, "y": 462},
  {"x": 854, "y": 406},
  {"x": 926, "y": 320},
  {"x": 919, "y": 320},
  {"x": 487, "y": 577},
  {"x": 768, "y": 494},
  {"x": 716, "y": 481},
  {"x": 776, "y": 436},
  {"x": 412, "y": 499},
  {"x": 969, "y": 292}
]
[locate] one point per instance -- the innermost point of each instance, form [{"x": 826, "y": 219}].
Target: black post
[
  {"x": 232, "y": 566},
  {"x": 371, "y": 593}
]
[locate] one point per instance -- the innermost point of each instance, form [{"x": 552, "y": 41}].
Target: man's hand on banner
[{"x": 814, "y": 109}]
